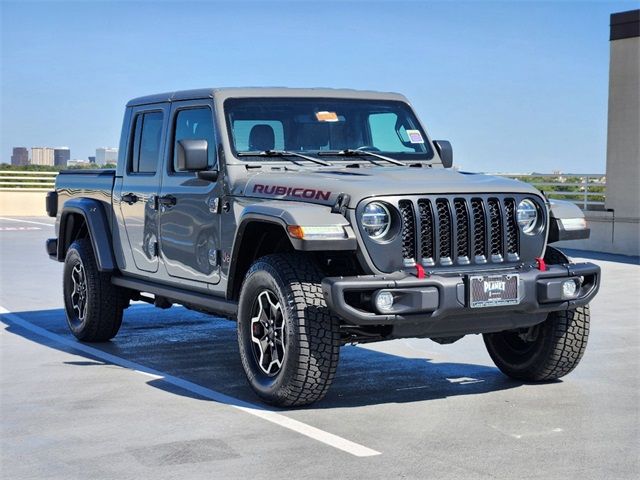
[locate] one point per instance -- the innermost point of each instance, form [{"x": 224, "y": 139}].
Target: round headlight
[
  {"x": 376, "y": 220},
  {"x": 527, "y": 216}
]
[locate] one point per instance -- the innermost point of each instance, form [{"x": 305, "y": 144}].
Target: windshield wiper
[
  {"x": 361, "y": 153},
  {"x": 284, "y": 154}
]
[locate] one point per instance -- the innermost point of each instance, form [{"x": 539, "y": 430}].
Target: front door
[
  {"x": 189, "y": 207},
  {"x": 140, "y": 185}
]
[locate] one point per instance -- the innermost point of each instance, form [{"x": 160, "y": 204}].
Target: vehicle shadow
[
  {"x": 607, "y": 257},
  {"x": 203, "y": 350}
]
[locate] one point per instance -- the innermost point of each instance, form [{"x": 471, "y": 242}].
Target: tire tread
[
  {"x": 318, "y": 328},
  {"x": 107, "y": 301},
  {"x": 564, "y": 340}
]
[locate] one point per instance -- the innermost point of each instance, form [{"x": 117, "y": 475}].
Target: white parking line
[
  {"x": 27, "y": 221},
  {"x": 250, "y": 408},
  {"x": 18, "y": 229}
]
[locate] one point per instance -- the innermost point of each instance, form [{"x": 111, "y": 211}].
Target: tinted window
[
  {"x": 323, "y": 125},
  {"x": 386, "y": 136},
  {"x": 194, "y": 124},
  {"x": 242, "y": 131},
  {"x": 146, "y": 147},
  {"x": 135, "y": 150}
]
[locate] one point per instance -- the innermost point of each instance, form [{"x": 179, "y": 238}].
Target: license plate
[{"x": 493, "y": 290}]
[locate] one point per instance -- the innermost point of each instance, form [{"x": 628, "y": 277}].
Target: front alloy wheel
[
  {"x": 268, "y": 333},
  {"x": 288, "y": 339}
]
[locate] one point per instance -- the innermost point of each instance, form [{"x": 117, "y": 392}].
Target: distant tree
[{"x": 30, "y": 168}]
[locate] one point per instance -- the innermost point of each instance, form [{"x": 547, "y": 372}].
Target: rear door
[
  {"x": 189, "y": 207},
  {"x": 141, "y": 184}
]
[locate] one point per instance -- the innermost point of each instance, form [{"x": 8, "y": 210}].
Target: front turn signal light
[{"x": 323, "y": 232}]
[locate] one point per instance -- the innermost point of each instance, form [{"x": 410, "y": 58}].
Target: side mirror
[
  {"x": 193, "y": 155},
  {"x": 445, "y": 151}
]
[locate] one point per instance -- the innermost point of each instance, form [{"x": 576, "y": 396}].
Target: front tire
[
  {"x": 289, "y": 341},
  {"x": 545, "y": 352},
  {"x": 93, "y": 305}
]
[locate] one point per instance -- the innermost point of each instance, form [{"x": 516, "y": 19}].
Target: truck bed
[
  {"x": 70, "y": 183},
  {"x": 96, "y": 183}
]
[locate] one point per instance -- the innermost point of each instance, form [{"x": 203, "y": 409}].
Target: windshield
[{"x": 312, "y": 125}]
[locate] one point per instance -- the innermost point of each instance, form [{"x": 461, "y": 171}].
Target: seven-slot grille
[{"x": 462, "y": 231}]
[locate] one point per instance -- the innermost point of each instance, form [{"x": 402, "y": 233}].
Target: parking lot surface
[{"x": 167, "y": 397}]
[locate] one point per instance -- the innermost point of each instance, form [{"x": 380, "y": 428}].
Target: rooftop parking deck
[{"x": 167, "y": 398}]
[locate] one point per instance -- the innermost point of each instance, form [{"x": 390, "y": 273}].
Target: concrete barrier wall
[
  {"x": 23, "y": 204},
  {"x": 609, "y": 234}
]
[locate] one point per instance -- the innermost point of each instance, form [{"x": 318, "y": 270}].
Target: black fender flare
[
  {"x": 553, "y": 256},
  {"x": 561, "y": 211},
  {"x": 281, "y": 217},
  {"x": 237, "y": 241},
  {"x": 95, "y": 218}
]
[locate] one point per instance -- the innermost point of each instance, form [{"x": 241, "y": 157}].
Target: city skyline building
[
  {"x": 20, "y": 156},
  {"x": 61, "y": 155},
  {"x": 42, "y": 156},
  {"x": 106, "y": 155}
]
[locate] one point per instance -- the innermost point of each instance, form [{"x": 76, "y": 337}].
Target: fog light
[
  {"x": 569, "y": 289},
  {"x": 384, "y": 301}
]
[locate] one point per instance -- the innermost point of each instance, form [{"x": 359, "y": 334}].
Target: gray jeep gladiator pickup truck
[{"x": 317, "y": 218}]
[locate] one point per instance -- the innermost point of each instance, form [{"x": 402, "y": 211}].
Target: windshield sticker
[
  {"x": 415, "y": 136},
  {"x": 327, "y": 116}
]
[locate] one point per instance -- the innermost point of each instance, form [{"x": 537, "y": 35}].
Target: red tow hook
[
  {"x": 542, "y": 266},
  {"x": 420, "y": 271}
]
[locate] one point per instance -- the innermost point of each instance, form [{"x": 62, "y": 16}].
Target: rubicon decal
[{"x": 297, "y": 192}]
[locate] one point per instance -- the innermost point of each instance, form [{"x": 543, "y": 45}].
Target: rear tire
[
  {"x": 93, "y": 305},
  {"x": 288, "y": 339},
  {"x": 545, "y": 352}
]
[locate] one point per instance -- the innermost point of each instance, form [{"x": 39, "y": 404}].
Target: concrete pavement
[{"x": 141, "y": 406}]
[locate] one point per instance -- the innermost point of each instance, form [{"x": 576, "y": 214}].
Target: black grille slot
[
  {"x": 408, "y": 229},
  {"x": 462, "y": 230},
  {"x": 459, "y": 230},
  {"x": 444, "y": 224},
  {"x": 479, "y": 228},
  {"x": 426, "y": 229},
  {"x": 512, "y": 227},
  {"x": 495, "y": 220}
]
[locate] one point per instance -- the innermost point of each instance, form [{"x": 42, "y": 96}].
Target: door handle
[
  {"x": 130, "y": 198},
  {"x": 167, "y": 201}
]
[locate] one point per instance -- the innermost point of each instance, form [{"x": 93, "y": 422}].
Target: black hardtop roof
[{"x": 262, "y": 92}]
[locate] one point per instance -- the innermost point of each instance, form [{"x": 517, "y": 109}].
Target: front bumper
[{"x": 440, "y": 303}]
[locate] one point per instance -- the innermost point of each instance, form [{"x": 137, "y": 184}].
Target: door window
[
  {"x": 145, "y": 154},
  {"x": 194, "y": 124}
]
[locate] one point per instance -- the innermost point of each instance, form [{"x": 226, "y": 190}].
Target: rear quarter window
[{"x": 145, "y": 154}]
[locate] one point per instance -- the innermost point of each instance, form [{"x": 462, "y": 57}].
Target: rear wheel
[
  {"x": 93, "y": 305},
  {"x": 546, "y": 351},
  {"x": 289, "y": 341}
]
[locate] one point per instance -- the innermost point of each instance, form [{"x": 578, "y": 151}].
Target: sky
[{"x": 515, "y": 86}]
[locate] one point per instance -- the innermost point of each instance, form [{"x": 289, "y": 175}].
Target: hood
[{"x": 324, "y": 185}]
